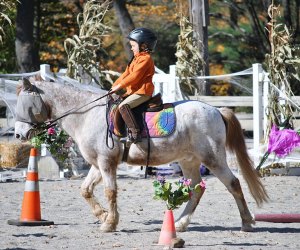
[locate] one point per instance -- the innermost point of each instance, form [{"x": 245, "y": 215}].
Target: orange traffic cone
[
  {"x": 168, "y": 231},
  {"x": 31, "y": 209}
]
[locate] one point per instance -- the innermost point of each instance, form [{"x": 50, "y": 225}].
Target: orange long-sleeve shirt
[{"x": 137, "y": 78}]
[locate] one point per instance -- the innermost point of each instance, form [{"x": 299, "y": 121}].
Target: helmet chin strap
[{"x": 143, "y": 47}]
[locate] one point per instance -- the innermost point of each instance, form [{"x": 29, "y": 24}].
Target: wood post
[
  {"x": 266, "y": 88},
  {"x": 45, "y": 72},
  {"x": 258, "y": 109},
  {"x": 172, "y": 85}
]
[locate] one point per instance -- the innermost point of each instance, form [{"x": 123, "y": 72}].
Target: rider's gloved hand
[{"x": 115, "y": 88}]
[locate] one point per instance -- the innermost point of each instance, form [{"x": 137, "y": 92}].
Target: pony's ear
[{"x": 27, "y": 84}]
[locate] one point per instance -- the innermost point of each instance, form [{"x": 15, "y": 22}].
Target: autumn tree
[
  {"x": 238, "y": 36},
  {"x": 125, "y": 23},
  {"x": 234, "y": 42}
]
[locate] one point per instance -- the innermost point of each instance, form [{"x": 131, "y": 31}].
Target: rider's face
[{"x": 134, "y": 47}]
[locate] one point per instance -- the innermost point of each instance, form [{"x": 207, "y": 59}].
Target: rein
[{"x": 51, "y": 123}]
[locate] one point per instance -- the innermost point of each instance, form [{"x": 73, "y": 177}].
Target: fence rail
[
  {"x": 246, "y": 119},
  {"x": 225, "y": 101}
]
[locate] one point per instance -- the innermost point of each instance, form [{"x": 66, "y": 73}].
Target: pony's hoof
[
  {"x": 247, "y": 228},
  {"x": 247, "y": 225},
  {"x": 180, "y": 227},
  {"x": 101, "y": 215},
  {"x": 107, "y": 228}
]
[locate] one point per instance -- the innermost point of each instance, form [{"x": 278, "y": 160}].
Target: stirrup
[
  {"x": 124, "y": 139},
  {"x": 129, "y": 140}
]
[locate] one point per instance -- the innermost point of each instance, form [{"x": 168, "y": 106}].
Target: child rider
[{"x": 137, "y": 79}]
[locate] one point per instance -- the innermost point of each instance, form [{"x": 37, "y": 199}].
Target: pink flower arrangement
[
  {"x": 202, "y": 184},
  {"x": 51, "y": 131},
  {"x": 174, "y": 198}
]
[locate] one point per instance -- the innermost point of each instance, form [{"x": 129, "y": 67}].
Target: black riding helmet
[{"x": 144, "y": 35}]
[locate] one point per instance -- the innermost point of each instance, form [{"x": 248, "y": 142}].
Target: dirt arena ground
[{"x": 215, "y": 224}]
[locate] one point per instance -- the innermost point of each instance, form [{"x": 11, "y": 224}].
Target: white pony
[{"x": 201, "y": 135}]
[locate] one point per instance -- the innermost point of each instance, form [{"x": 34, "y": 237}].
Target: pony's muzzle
[
  {"x": 20, "y": 137},
  {"x": 23, "y": 131}
]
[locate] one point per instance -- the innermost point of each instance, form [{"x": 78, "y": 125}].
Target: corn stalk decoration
[
  {"x": 282, "y": 64},
  {"x": 5, "y": 6},
  {"x": 82, "y": 49},
  {"x": 189, "y": 60}
]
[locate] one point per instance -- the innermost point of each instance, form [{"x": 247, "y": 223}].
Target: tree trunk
[
  {"x": 297, "y": 28},
  {"x": 125, "y": 23},
  {"x": 291, "y": 16},
  {"x": 27, "y": 55},
  {"x": 233, "y": 15},
  {"x": 287, "y": 13},
  {"x": 260, "y": 34},
  {"x": 199, "y": 19}
]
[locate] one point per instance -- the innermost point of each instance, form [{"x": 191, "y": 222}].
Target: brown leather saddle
[{"x": 117, "y": 125}]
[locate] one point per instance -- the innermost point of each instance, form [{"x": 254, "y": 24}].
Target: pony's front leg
[
  {"x": 109, "y": 174},
  {"x": 191, "y": 171},
  {"x": 87, "y": 189}
]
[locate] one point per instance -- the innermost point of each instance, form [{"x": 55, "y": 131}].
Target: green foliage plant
[
  {"x": 283, "y": 64},
  {"x": 83, "y": 49},
  {"x": 5, "y": 7},
  {"x": 57, "y": 142},
  {"x": 175, "y": 197}
]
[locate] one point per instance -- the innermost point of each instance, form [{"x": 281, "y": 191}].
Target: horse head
[{"x": 31, "y": 111}]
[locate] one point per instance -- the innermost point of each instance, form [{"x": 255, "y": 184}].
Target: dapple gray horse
[{"x": 202, "y": 135}]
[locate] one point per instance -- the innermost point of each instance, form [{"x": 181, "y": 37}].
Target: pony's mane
[
  {"x": 73, "y": 84},
  {"x": 93, "y": 88},
  {"x": 34, "y": 78}
]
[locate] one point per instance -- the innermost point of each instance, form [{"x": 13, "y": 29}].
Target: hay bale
[{"x": 13, "y": 154}]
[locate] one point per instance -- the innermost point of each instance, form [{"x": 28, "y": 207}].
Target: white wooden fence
[{"x": 168, "y": 85}]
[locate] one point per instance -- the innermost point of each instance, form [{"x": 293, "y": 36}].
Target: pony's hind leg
[
  {"x": 87, "y": 189},
  {"x": 232, "y": 183},
  {"x": 190, "y": 170}
]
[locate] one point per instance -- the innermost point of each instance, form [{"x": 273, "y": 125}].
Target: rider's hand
[{"x": 115, "y": 88}]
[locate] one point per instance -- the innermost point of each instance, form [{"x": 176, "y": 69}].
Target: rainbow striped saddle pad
[{"x": 155, "y": 124}]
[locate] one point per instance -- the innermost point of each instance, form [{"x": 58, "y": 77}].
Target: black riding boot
[{"x": 132, "y": 125}]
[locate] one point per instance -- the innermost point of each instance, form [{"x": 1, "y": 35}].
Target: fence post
[
  {"x": 266, "y": 86},
  {"x": 45, "y": 70},
  {"x": 172, "y": 84},
  {"x": 257, "y": 107}
]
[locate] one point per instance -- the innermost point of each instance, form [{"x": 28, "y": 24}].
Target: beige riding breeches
[{"x": 135, "y": 100}]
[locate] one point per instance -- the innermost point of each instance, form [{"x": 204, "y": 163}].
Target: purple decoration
[
  {"x": 282, "y": 142},
  {"x": 202, "y": 169}
]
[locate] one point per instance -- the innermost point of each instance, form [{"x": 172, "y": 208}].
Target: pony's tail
[{"x": 235, "y": 142}]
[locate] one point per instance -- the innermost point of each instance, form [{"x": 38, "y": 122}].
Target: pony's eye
[{"x": 38, "y": 117}]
